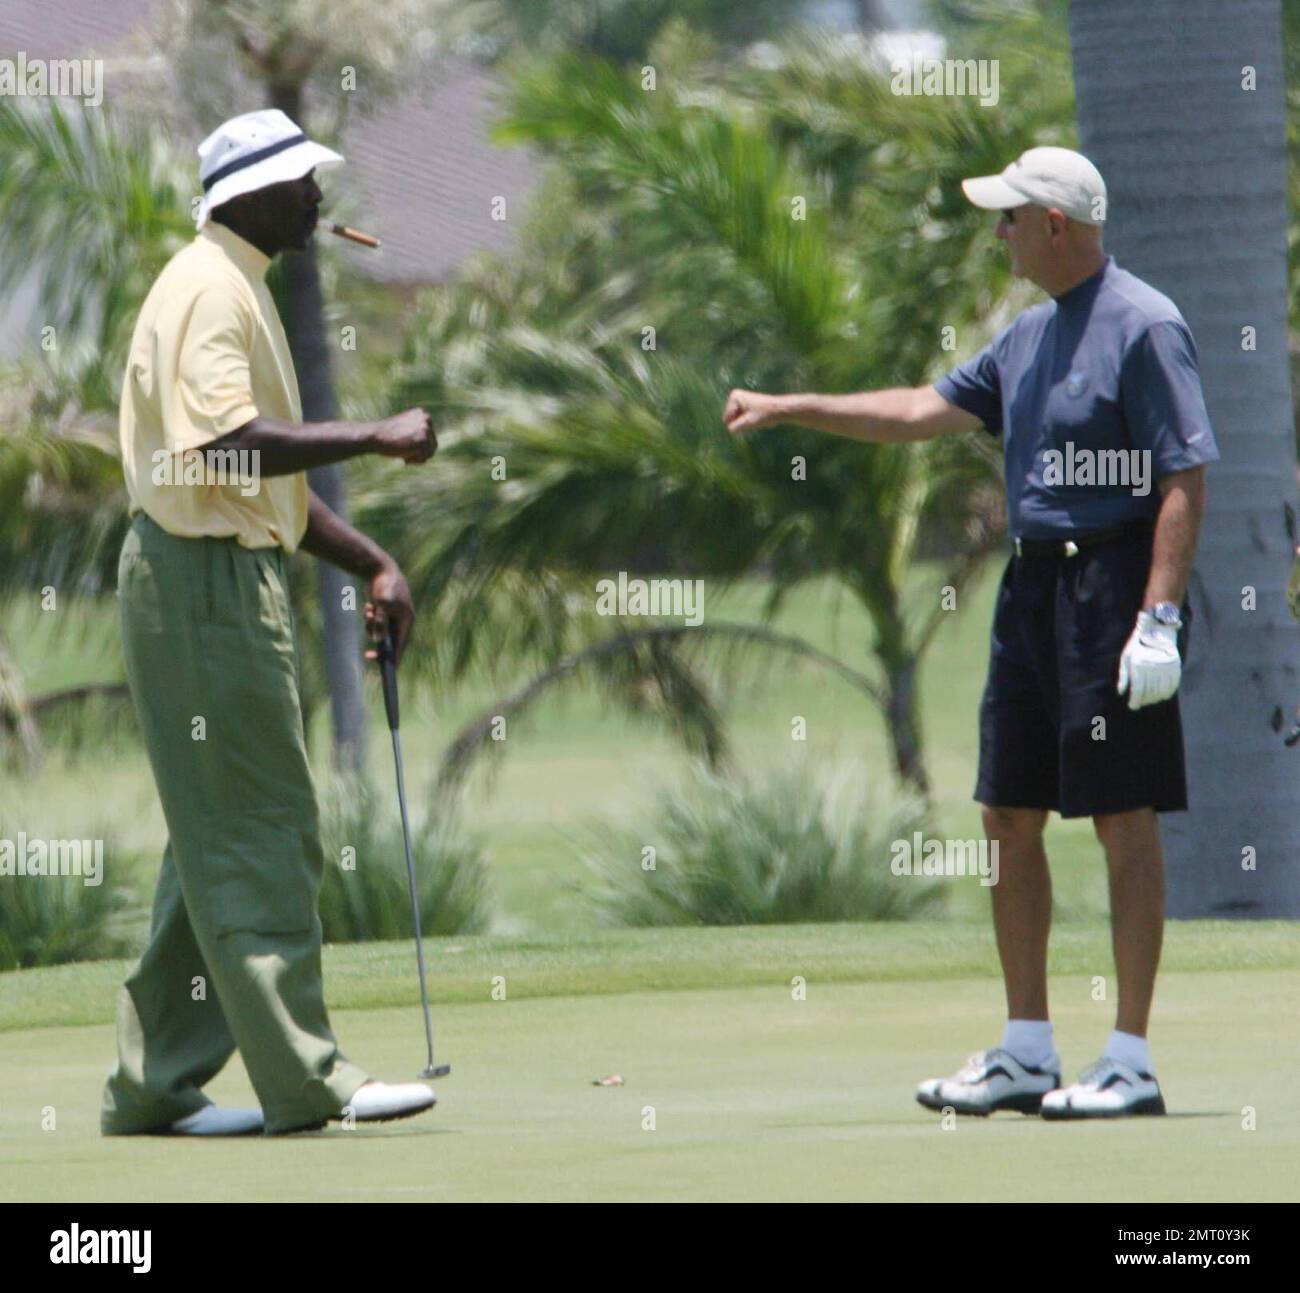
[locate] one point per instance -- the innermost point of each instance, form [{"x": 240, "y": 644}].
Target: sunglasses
[{"x": 1010, "y": 215}]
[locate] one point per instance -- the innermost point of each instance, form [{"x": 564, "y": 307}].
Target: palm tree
[
  {"x": 94, "y": 209},
  {"x": 1199, "y": 209},
  {"x": 671, "y": 212},
  {"x": 623, "y": 31}
]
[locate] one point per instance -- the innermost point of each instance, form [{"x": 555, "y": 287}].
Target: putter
[{"x": 388, "y": 669}]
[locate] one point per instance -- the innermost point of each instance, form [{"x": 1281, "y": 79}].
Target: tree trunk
[
  {"x": 872, "y": 17},
  {"x": 902, "y": 716},
  {"x": 1195, "y": 164},
  {"x": 340, "y": 632}
]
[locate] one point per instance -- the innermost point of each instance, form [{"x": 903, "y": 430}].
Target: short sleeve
[
  {"x": 1164, "y": 406},
  {"x": 214, "y": 394},
  {"x": 976, "y": 388}
]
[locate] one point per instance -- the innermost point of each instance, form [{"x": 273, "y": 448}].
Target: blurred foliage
[
  {"x": 62, "y": 501},
  {"x": 222, "y": 57},
  {"x": 1291, "y": 63},
  {"x": 668, "y": 208},
  {"x": 369, "y": 898},
  {"x": 780, "y": 851},
  {"x": 623, "y": 31},
  {"x": 780, "y": 221},
  {"x": 95, "y": 208},
  {"x": 53, "y": 919}
]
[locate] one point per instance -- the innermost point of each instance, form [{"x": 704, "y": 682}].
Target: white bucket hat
[
  {"x": 253, "y": 151},
  {"x": 1049, "y": 177}
]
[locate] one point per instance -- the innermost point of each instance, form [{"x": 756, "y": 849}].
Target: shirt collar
[
  {"x": 251, "y": 262},
  {"x": 1080, "y": 291}
]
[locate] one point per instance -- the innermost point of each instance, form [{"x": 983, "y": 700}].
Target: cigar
[{"x": 353, "y": 235}]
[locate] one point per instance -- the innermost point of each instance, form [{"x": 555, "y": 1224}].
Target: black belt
[{"x": 1071, "y": 547}]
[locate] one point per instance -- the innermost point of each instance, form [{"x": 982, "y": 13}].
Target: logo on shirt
[{"x": 1075, "y": 385}]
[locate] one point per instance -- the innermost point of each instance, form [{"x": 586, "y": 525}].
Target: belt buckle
[{"x": 1071, "y": 548}]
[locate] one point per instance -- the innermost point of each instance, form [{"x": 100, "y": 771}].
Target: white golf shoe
[
  {"x": 212, "y": 1121},
  {"x": 1106, "y": 1089},
  {"x": 382, "y": 1102},
  {"x": 992, "y": 1080}
]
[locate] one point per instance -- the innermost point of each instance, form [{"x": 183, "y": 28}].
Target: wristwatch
[{"x": 1166, "y": 613}]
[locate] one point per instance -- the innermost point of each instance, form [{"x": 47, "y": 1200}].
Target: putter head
[{"x": 436, "y": 1071}]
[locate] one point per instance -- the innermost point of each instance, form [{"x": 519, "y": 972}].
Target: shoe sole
[
  {"x": 206, "y": 1135},
  {"x": 1152, "y": 1106},
  {"x": 320, "y": 1126},
  {"x": 1026, "y": 1103},
  {"x": 395, "y": 1116}
]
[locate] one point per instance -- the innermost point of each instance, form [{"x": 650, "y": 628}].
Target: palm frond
[
  {"x": 62, "y": 502},
  {"x": 92, "y": 209},
  {"x": 656, "y": 670}
]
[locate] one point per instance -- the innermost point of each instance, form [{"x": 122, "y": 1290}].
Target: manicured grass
[
  {"x": 753, "y": 1094},
  {"x": 364, "y": 976}
]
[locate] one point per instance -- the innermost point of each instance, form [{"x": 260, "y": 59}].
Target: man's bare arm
[
  {"x": 1177, "y": 529},
  {"x": 284, "y": 448},
  {"x": 331, "y": 538},
  {"x": 891, "y": 416}
]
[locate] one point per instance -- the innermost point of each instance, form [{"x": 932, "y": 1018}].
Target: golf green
[{"x": 729, "y": 1092}]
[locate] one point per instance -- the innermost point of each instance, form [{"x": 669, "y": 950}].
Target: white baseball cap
[
  {"x": 253, "y": 151},
  {"x": 1049, "y": 177}
]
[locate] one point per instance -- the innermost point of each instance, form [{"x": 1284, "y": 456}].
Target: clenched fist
[
  {"x": 407, "y": 435},
  {"x": 749, "y": 411}
]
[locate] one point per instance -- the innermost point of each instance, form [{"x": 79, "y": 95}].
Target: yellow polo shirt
[{"x": 208, "y": 355}]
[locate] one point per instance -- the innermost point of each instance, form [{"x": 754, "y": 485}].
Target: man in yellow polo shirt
[{"x": 214, "y": 452}]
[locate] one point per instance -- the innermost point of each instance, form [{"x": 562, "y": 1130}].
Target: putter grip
[{"x": 388, "y": 671}]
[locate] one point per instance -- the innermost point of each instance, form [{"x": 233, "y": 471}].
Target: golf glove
[{"x": 1149, "y": 669}]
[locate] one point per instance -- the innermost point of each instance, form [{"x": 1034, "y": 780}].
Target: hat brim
[
  {"x": 292, "y": 164},
  {"x": 992, "y": 193}
]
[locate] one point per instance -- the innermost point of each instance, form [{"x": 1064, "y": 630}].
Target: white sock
[
  {"x": 1029, "y": 1040},
  {"x": 1129, "y": 1049}
]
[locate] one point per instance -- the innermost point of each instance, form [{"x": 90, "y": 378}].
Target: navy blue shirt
[{"x": 1096, "y": 396}]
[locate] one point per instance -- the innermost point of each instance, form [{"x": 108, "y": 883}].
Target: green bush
[
  {"x": 50, "y": 920},
  {"x": 781, "y": 852},
  {"x": 368, "y": 897}
]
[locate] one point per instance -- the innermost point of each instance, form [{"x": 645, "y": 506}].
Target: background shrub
[
  {"x": 371, "y": 900},
  {"x": 783, "y": 850},
  {"x": 50, "y": 920}
]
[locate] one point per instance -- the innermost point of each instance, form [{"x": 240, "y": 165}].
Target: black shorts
[{"x": 1059, "y": 629}]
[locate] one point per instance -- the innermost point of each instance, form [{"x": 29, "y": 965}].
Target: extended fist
[
  {"x": 407, "y": 435},
  {"x": 748, "y": 411}
]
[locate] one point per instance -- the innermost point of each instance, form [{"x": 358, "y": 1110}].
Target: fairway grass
[{"x": 753, "y": 1094}]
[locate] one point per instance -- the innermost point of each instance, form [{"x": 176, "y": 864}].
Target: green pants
[{"x": 234, "y": 950}]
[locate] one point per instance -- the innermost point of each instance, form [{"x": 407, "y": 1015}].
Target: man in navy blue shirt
[{"x": 1096, "y": 398}]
